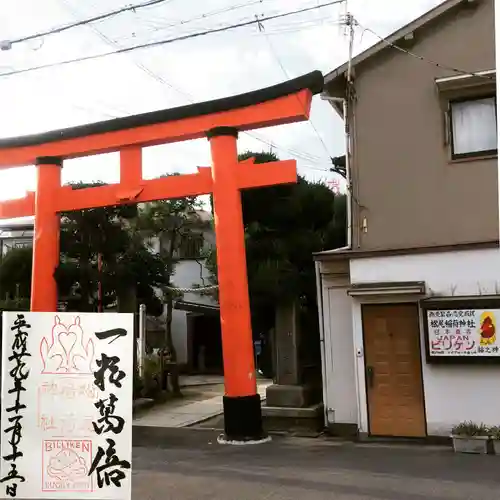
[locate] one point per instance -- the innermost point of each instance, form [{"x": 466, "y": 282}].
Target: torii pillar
[
  {"x": 46, "y": 235},
  {"x": 242, "y": 408}
]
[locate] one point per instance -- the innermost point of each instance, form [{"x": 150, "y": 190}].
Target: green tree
[
  {"x": 15, "y": 273},
  {"x": 284, "y": 226},
  {"x": 126, "y": 267},
  {"x": 177, "y": 228}
]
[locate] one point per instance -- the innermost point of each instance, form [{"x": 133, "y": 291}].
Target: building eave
[{"x": 335, "y": 255}]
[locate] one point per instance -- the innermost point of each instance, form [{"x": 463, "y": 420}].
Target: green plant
[
  {"x": 152, "y": 376},
  {"x": 138, "y": 386},
  {"x": 470, "y": 429},
  {"x": 15, "y": 305},
  {"x": 494, "y": 432}
]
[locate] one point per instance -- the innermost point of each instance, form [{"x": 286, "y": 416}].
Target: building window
[{"x": 473, "y": 127}]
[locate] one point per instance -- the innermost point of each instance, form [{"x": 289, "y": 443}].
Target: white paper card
[{"x": 66, "y": 429}]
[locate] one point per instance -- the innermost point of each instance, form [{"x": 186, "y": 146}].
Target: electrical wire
[
  {"x": 115, "y": 45},
  {"x": 160, "y": 79},
  {"x": 285, "y": 72},
  {"x": 422, "y": 58},
  {"x": 286, "y": 26},
  {"x": 83, "y": 22},
  {"x": 293, "y": 152},
  {"x": 207, "y": 15},
  {"x": 168, "y": 41}
]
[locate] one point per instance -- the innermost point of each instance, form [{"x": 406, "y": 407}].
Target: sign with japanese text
[
  {"x": 66, "y": 428},
  {"x": 463, "y": 332}
]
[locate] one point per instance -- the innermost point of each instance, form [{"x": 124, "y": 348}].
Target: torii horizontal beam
[
  {"x": 277, "y": 105},
  {"x": 249, "y": 175}
]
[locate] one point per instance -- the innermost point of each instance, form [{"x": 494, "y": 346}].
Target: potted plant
[
  {"x": 495, "y": 438},
  {"x": 469, "y": 437}
]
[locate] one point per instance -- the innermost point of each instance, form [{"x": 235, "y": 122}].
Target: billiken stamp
[{"x": 66, "y": 464}]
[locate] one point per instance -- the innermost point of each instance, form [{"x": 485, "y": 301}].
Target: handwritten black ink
[
  {"x": 113, "y": 423},
  {"x": 15, "y": 438},
  {"x": 18, "y": 373},
  {"x": 12, "y": 475},
  {"x": 19, "y": 323},
  {"x": 114, "y": 332},
  {"x": 11, "y": 490},
  {"x": 111, "y": 471},
  {"x": 111, "y": 364},
  {"x": 17, "y": 389}
]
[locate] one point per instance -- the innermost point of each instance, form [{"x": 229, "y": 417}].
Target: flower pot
[
  {"x": 496, "y": 446},
  {"x": 470, "y": 444}
]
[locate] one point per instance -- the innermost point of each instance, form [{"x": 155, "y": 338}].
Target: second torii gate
[{"x": 220, "y": 121}]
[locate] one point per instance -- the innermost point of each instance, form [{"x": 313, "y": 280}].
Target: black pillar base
[{"x": 243, "y": 418}]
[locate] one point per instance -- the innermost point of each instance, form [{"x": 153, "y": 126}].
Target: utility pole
[
  {"x": 348, "y": 113},
  {"x": 349, "y": 24},
  {"x": 346, "y": 15}
]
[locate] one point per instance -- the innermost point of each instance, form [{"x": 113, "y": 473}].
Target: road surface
[{"x": 191, "y": 466}]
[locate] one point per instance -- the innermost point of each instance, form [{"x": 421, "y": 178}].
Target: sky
[{"x": 179, "y": 73}]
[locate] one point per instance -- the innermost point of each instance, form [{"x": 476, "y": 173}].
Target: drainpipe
[
  {"x": 348, "y": 246},
  {"x": 319, "y": 288},
  {"x": 347, "y": 134},
  {"x": 347, "y": 129}
]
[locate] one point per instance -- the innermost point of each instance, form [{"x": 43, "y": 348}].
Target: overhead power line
[
  {"x": 159, "y": 43},
  {"x": 422, "y": 58},
  {"x": 7, "y": 44},
  {"x": 206, "y": 15},
  {"x": 285, "y": 72},
  {"x": 115, "y": 45},
  {"x": 298, "y": 154},
  {"x": 301, "y": 155}
]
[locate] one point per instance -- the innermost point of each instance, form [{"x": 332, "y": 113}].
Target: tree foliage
[
  {"x": 126, "y": 263},
  {"x": 15, "y": 273},
  {"x": 284, "y": 226},
  {"x": 172, "y": 224}
]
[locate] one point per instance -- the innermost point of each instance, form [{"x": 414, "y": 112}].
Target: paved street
[{"x": 192, "y": 467}]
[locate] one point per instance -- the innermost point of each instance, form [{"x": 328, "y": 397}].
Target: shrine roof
[{"x": 312, "y": 81}]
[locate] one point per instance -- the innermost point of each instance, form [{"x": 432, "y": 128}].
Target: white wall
[
  {"x": 340, "y": 386},
  {"x": 445, "y": 273},
  {"x": 187, "y": 273},
  {"x": 452, "y": 393}
]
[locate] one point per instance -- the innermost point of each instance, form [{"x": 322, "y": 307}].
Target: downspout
[
  {"x": 348, "y": 159},
  {"x": 347, "y": 130},
  {"x": 348, "y": 246},
  {"x": 347, "y": 135},
  {"x": 319, "y": 288}
]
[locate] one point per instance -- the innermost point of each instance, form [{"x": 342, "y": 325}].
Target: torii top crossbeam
[
  {"x": 287, "y": 102},
  {"x": 219, "y": 120}
]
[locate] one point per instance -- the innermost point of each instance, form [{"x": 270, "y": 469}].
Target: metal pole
[
  {"x": 99, "y": 284},
  {"x": 142, "y": 340}
]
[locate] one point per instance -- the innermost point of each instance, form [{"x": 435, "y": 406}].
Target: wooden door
[{"x": 393, "y": 370}]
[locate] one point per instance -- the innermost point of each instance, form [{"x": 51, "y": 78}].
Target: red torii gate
[{"x": 219, "y": 120}]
